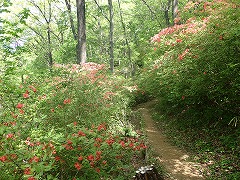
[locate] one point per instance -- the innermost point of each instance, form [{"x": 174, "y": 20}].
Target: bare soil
[{"x": 175, "y": 160}]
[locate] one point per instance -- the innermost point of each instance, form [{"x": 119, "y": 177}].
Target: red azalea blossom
[
  {"x": 122, "y": 143},
  {"x": 33, "y": 88},
  {"x": 27, "y": 171},
  {"x": 78, "y": 166},
  {"x": 90, "y": 157},
  {"x": 34, "y": 159},
  {"x": 31, "y": 178},
  {"x": 104, "y": 162},
  {"x": 98, "y": 170},
  {"x": 178, "y": 40},
  {"x": 9, "y": 136},
  {"x": 80, "y": 133},
  {"x": 98, "y": 153},
  {"x": 80, "y": 158},
  {"x": 3, "y": 158},
  {"x": 57, "y": 158},
  {"x": 67, "y": 101},
  {"x": 101, "y": 126},
  {"x": 25, "y": 95},
  {"x": 110, "y": 141},
  {"x": 98, "y": 139},
  {"x": 21, "y": 111},
  {"x": 19, "y": 105}
]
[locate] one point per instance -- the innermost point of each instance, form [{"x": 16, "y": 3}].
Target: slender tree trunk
[
  {"x": 81, "y": 39},
  {"x": 71, "y": 18},
  {"x": 124, "y": 32},
  {"x": 111, "y": 36},
  {"x": 174, "y": 9},
  {"x": 166, "y": 13},
  {"x": 50, "y": 58}
]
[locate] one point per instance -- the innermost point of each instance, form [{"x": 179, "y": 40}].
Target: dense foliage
[
  {"x": 59, "y": 120},
  {"x": 195, "y": 74},
  {"x": 68, "y": 125}
]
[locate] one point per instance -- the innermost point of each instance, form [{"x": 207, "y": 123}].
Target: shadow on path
[{"x": 172, "y": 158}]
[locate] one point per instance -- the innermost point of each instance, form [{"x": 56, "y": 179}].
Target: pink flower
[
  {"x": 25, "y": 95},
  {"x": 178, "y": 40},
  {"x": 80, "y": 133},
  {"x": 31, "y": 178},
  {"x": 3, "y": 158},
  {"x": 122, "y": 143},
  {"x": 90, "y": 157},
  {"x": 9, "y": 136},
  {"x": 20, "y": 106},
  {"x": 80, "y": 158},
  {"x": 77, "y": 166},
  {"x": 27, "y": 171},
  {"x": 67, "y": 101}
]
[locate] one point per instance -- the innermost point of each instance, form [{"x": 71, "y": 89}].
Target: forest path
[{"x": 174, "y": 160}]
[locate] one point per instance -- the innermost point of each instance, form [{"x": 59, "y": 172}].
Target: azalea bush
[
  {"x": 194, "y": 74},
  {"x": 69, "y": 124},
  {"x": 197, "y": 65}
]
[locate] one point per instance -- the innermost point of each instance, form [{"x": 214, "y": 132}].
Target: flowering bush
[
  {"x": 195, "y": 77},
  {"x": 198, "y": 61},
  {"x": 65, "y": 126}
]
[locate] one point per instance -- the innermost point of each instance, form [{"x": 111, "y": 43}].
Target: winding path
[{"x": 174, "y": 160}]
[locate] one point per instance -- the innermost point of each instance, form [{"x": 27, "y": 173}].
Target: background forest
[{"x": 70, "y": 72}]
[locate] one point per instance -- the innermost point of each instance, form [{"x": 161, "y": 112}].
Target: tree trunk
[
  {"x": 71, "y": 18},
  {"x": 50, "y": 58},
  {"x": 124, "y": 32},
  {"x": 166, "y": 13},
  {"x": 174, "y": 9},
  {"x": 81, "y": 39},
  {"x": 111, "y": 36}
]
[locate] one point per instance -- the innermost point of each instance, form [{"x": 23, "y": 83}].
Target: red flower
[
  {"x": 27, "y": 171},
  {"x": 33, "y": 88},
  {"x": 75, "y": 123},
  {"x": 9, "y": 136},
  {"x": 98, "y": 153},
  {"x": 67, "y": 101},
  {"x": 19, "y": 106},
  {"x": 101, "y": 126},
  {"x": 98, "y": 170},
  {"x": 3, "y": 158},
  {"x": 78, "y": 166},
  {"x": 31, "y": 178},
  {"x": 21, "y": 111},
  {"x": 98, "y": 139},
  {"x": 80, "y": 158},
  {"x": 57, "y": 158},
  {"x": 104, "y": 162},
  {"x": 80, "y": 133},
  {"x": 25, "y": 95},
  {"x": 90, "y": 157},
  {"x": 122, "y": 143},
  {"x": 183, "y": 97},
  {"x": 178, "y": 40},
  {"x": 110, "y": 141},
  {"x": 34, "y": 159}
]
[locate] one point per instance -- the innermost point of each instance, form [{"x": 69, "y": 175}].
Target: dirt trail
[{"x": 172, "y": 158}]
